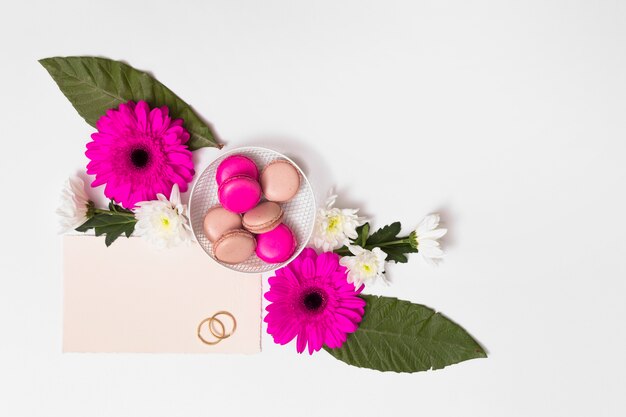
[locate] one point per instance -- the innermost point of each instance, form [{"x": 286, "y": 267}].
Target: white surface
[{"x": 506, "y": 117}]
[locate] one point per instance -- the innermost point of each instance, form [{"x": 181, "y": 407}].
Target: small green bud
[
  {"x": 90, "y": 209},
  {"x": 413, "y": 239}
]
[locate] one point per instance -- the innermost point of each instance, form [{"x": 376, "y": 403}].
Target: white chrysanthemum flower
[
  {"x": 365, "y": 265},
  {"x": 333, "y": 226},
  {"x": 163, "y": 221},
  {"x": 75, "y": 204},
  {"x": 425, "y": 236}
]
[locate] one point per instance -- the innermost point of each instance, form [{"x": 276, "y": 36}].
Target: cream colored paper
[{"x": 132, "y": 297}]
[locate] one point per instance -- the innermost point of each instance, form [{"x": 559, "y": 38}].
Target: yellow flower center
[
  {"x": 333, "y": 222},
  {"x": 165, "y": 222},
  {"x": 367, "y": 268}
]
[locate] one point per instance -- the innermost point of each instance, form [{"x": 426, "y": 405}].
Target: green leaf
[
  {"x": 385, "y": 234},
  {"x": 84, "y": 227},
  {"x": 94, "y": 85},
  {"x": 105, "y": 220},
  {"x": 129, "y": 229},
  {"x": 112, "y": 224},
  {"x": 343, "y": 251},
  {"x": 397, "y": 253},
  {"x": 365, "y": 231},
  {"x": 362, "y": 233},
  {"x": 400, "y": 336},
  {"x": 387, "y": 239},
  {"x": 118, "y": 209},
  {"x": 113, "y": 232}
]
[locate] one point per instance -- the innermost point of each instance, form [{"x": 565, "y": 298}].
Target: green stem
[
  {"x": 390, "y": 243},
  {"x": 344, "y": 251},
  {"x": 109, "y": 212}
]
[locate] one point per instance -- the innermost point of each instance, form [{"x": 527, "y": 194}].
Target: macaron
[
  {"x": 263, "y": 218},
  {"x": 280, "y": 181},
  {"x": 218, "y": 221},
  {"x": 239, "y": 193},
  {"x": 276, "y": 245},
  {"x": 236, "y": 165},
  {"x": 234, "y": 246}
]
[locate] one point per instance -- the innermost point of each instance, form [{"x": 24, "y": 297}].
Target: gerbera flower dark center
[
  {"x": 313, "y": 300},
  {"x": 139, "y": 158}
]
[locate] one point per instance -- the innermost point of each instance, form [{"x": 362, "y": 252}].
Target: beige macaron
[
  {"x": 263, "y": 218},
  {"x": 280, "y": 181},
  {"x": 234, "y": 246},
  {"x": 218, "y": 221}
]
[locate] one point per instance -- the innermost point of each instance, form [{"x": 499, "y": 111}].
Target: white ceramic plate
[{"x": 299, "y": 213}]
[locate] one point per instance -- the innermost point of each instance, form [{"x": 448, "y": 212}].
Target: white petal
[
  {"x": 175, "y": 195},
  {"x": 330, "y": 201},
  {"x": 355, "y": 249},
  {"x": 433, "y": 234},
  {"x": 150, "y": 216},
  {"x": 426, "y": 243},
  {"x": 431, "y": 252},
  {"x": 429, "y": 222},
  {"x": 379, "y": 254},
  {"x": 74, "y": 204}
]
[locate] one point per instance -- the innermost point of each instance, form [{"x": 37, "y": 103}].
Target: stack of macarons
[{"x": 242, "y": 224}]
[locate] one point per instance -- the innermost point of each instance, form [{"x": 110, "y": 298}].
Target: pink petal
[
  {"x": 326, "y": 263},
  {"x": 141, "y": 112},
  {"x": 302, "y": 339},
  {"x": 344, "y": 324},
  {"x": 97, "y": 182},
  {"x": 156, "y": 121},
  {"x": 284, "y": 332},
  {"x": 308, "y": 268},
  {"x": 288, "y": 274},
  {"x": 276, "y": 294},
  {"x": 352, "y": 302},
  {"x": 352, "y": 315},
  {"x": 332, "y": 338},
  {"x": 313, "y": 339},
  {"x": 181, "y": 158},
  {"x": 308, "y": 253}
]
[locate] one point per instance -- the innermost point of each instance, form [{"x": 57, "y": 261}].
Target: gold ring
[
  {"x": 224, "y": 335},
  {"x": 210, "y": 320}
]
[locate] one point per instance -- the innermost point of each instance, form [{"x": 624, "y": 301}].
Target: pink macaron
[
  {"x": 276, "y": 245},
  {"x": 235, "y": 165},
  {"x": 280, "y": 181},
  {"x": 263, "y": 218},
  {"x": 234, "y": 246},
  {"x": 239, "y": 193},
  {"x": 218, "y": 221}
]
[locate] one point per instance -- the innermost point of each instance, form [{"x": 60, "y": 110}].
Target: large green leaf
[
  {"x": 94, "y": 85},
  {"x": 400, "y": 336}
]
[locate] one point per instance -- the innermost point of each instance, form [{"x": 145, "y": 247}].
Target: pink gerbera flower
[
  {"x": 312, "y": 299},
  {"x": 139, "y": 153}
]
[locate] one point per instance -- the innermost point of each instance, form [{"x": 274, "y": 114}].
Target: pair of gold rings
[{"x": 216, "y": 328}]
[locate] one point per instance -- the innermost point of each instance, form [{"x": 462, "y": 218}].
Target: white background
[{"x": 505, "y": 117}]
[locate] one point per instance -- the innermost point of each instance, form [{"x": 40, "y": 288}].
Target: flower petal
[
  {"x": 326, "y": 263},
  {"x": 308, "y": 268},
  {"x": 302, "y": 339}
]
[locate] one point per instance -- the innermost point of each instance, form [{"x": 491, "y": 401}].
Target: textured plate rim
[{"x": 251, "y": 148}]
